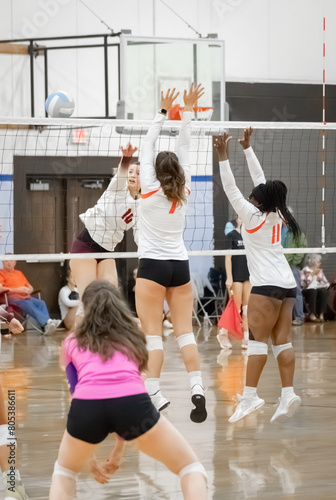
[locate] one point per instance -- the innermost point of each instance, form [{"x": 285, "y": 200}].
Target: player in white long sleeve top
[
  {"x": 164, "y": 266},
  {"x": 273, "y": 285},
  {"x": 105, "y": 224}
]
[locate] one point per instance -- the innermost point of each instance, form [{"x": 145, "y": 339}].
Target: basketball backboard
[{"x": 149, "y": 65}]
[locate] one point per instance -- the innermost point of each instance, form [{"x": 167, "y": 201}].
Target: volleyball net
[{"x": 52, "y": 170}]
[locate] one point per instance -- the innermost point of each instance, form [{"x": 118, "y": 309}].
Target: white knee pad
[
  {"x": 62, "y": 471},
  {"x": 154, "y": 343},
  {"x": 186, "y": 339},
  {"x": 277, "y": 349},
  {"x": 256, "y": 348},
  {"x": 194, "y": 467},
  {"x": 244, "y": 310}
]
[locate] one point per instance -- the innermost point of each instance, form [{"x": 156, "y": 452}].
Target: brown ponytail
[{"x": 171, "y": 176}]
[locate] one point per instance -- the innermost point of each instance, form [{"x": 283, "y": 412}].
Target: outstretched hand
[
  {"x": 222, "y": 146},
  {"x": 128, "y": 151},
  {"x": 245, "y": 142},
  {"x": 190, "y": 98},
  {"x": 168, "y": 99}
]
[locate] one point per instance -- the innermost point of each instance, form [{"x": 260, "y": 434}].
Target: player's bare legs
[
  {"x": 84, "y": 272},
  {"x": 107, "y": 270},
  {"x": 180, "y": 301},
  {"x": 283, "y": 351},
  {"x": 149, "y": 299},
  {"x": 70, "y": 318},
  {"x": 165, "y": 444},
  {"x": 245, "y": 300},
  {"x": 73, "y": 456},
  {"x": 282, "y": 335},
  {"x": 263, "y": 313}
]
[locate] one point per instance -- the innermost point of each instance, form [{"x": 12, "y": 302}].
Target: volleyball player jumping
[
  {"x": 105, "y": 224},
  {"x": 104, "y": 359},
  {"x": 273, "y": 285},
  {"x": 164, "y": 266}
]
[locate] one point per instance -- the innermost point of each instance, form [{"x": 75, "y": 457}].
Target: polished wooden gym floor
[{"x": 249, "y": 459}]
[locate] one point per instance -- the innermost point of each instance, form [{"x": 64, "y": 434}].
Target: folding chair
[
  {"x": 27, "y": 322},
  {"x": 210, "y": 306}
]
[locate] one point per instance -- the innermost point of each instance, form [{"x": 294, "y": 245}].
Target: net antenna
[{"x": 323, "y": 141}]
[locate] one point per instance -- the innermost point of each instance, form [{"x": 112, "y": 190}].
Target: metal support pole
[
  {"x": 119, "y": 77},
  {"x": 106, "y": 77},
  {"x": 31, "y": 55},
  {"x": 46, "y": 92}
]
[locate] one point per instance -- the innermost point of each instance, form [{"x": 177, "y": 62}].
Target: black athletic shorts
[
  {"x": 85, "y": 244},
  {"x": 92, "y": 420},
  {"x": 165, "y": 272},
  {"x": 276, "y": 292}
]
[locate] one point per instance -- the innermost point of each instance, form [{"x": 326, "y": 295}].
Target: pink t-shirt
[{"x": 90, "y": 378}]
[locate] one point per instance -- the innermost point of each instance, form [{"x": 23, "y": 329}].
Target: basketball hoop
[{"x": 201, "y": 113}]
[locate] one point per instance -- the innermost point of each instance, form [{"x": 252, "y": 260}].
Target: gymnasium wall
[{"x": 266, "y": 41}]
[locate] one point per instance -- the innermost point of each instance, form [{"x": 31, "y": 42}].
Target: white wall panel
[{"x": 266, "y": 40}]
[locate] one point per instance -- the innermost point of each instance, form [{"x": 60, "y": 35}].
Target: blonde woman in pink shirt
[{"x": 104, "y": 359}]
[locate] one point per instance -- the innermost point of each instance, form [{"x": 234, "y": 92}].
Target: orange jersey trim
[
  {"x": 147, "y": 195},
  {"x": 173, "y": 207},
  {"x": 251, "y": 231}
]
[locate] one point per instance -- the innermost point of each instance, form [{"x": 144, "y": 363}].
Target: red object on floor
[{"x": 231, "y": 321}]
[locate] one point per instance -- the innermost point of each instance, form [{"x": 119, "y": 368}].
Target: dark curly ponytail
[{"x": 270, "y": 197}]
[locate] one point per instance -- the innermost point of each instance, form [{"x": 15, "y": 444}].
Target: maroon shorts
[{"x": 83, "y": 243}]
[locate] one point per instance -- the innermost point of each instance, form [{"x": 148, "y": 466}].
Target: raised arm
[
  {"x": 253, "y": 164},
  {"x": 119, "y": 180},
  {"x": 243, "y": 208},
  {"x": 148, "y": 178},
  {"x": 183, "y": 145}
]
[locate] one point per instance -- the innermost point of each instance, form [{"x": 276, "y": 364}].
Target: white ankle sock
[
  {"x": 287, "y": 391},
  {"x": 195, "y": 378},
  {"x": 249, "y": 392},
  {"x": 246, "y": 336},
  {"x": 152, "y": 385}
]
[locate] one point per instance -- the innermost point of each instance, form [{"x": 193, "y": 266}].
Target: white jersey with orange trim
[
  {"x": 114, "y": 213},
  {"x": 261, "y": 231},
  {"x": 161, "y": 222}
]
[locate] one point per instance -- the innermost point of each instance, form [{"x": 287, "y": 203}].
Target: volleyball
[{"x": 60, "y": 105}]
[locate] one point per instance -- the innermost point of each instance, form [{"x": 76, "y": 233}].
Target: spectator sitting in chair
[
  {"x": 68, "y": 301},
  {"x": 315, "y": 288},
  {"x": 19, "y": 292}
]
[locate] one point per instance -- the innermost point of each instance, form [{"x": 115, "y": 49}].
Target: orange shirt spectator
[
  {"x": 15, "y": 280},
  {"x": 19, "y": 293}
]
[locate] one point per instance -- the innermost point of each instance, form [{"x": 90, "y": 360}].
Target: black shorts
[
  {"x": 276, "y": 292},
  {"x": 85, "y": 244},
  {"x": 92, "y": 420},
  {"x": 165, "y": 272}
]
